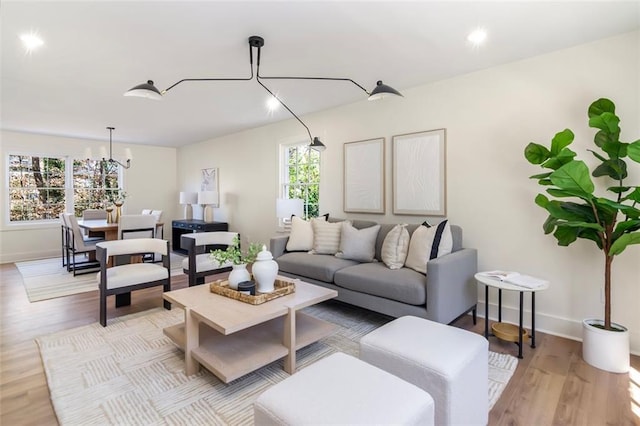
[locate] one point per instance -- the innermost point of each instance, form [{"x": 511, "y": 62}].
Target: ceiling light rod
[
  {"x": 148, "y": 90},
  {"x": 381, "y": 90},
  {"x": 111, "y": 159},
  {"x": 288, "y": 109},
  {"x": 256, "y": 41}
]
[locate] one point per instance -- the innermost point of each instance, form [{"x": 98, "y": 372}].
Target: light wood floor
[{"x": 551, "y": 386}]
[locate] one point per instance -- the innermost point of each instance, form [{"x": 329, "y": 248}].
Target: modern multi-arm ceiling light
[
  {"x": 111, "y": 160},
  {"x": 148, "y": 90}
]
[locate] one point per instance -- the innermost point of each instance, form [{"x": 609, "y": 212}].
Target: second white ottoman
[
  {"x": 341, "y": 389},
  {"x": 449, "y": 363}
]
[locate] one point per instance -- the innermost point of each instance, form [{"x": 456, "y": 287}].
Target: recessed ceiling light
[
  {"x": 477, "y": 36},
  {"x": 31, "y": 41}
]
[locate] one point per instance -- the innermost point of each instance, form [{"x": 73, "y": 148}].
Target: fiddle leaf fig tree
[{"x": 612, "y": 220}]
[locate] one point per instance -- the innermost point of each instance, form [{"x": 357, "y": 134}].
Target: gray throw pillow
[{"x": 358, "y": 244}]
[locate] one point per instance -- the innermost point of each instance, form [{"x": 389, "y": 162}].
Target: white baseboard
[
  {"x": 30, "y": 255},
  {"x": 546, "y": 323}
]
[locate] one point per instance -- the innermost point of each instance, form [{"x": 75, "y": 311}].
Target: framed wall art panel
[
  {"x": 364, "y": 176},
  {"x": 419, "y": 173}
]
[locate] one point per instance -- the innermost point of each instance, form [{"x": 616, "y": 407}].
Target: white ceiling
[{"x": 94, "y": 51}]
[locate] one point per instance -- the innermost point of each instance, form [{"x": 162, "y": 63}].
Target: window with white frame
[
  {"x": 36, "y": 187},
  {"x": 96, "y": 184},
  {"x": 42, "y": 187},
  {"x": 300, "y": 177}
]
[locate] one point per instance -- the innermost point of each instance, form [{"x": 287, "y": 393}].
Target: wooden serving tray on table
[{"x": 282, "y": 288}]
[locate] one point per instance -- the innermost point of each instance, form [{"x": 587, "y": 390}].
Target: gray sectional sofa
[{"x": 447, "y": 292}]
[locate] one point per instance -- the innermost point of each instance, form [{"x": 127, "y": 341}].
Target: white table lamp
[
  {"x": 188, "y": 198},
  {"x": 206, "y": 199},
  {"x": 287, "y": 207}
]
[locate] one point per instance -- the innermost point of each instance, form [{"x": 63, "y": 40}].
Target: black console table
[{"x": 180, "y": 227}]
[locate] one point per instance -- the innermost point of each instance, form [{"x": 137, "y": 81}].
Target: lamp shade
[
  {"x": 317, "y": 145},
  {"x": 287, "y": 207},
  {"x": 188, "y": 197},
  {"x": 382, "y": 91},
  {"x": 145, "y": 90},
  {"x": 207, "y": 197}
]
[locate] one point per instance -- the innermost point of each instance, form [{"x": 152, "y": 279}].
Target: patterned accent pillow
[
  {"x": 395, "y": 247},
  {"x": 301, "y": 236},
  {"x": 428, "y": 243},
  {"x": 358, "y": 244},
  {"x": 326, "y": 236}
]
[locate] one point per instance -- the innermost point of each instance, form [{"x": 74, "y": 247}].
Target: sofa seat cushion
[
  {"x": 403, "y": 285},
  {"x": 321, "y": 267},
  {"x": 204, "y": 262}
]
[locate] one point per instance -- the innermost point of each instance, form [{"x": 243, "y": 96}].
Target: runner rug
[
  {"x": 130, "y": 373},
  {"x": 47, "y": 279}
]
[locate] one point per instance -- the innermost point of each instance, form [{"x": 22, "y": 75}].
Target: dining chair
[
  {"x": 64, "y": 234},
  {"x": 94, "y": 214},
  {"x": 198, "y": 246},
  {"x": 159, "y": 227},
  {"x": 138, "y": 226},
  {"x": 122, "y": 279},
  {"x": 78, "y": 244}
]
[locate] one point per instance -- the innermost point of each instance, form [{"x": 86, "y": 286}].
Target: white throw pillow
[
  {"x": 301, "y": 236},
  {"x": 358, "y": 244},
  {"x": 428, "y": 243},
  {"x": 326, "y": 236},
  {"x": 395, "y": 247}
]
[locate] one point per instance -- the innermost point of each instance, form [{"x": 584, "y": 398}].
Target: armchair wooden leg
[
  {"x": 165, "y": 288},
  {"x": 103, "y": 309},
  {"x": 475, "y": 314}
]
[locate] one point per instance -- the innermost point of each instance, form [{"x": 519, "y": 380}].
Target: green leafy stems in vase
[{"x": 234, "y": 255}]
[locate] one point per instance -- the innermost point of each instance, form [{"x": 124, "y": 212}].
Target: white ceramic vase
[
  {"x": 264, "y": 270},
  {"x": 237, "y": 275},
  {"x": 605, "y": 349}
]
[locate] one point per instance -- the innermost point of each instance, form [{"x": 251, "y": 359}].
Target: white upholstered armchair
[
  {"x": 198, "y": 246},
  {"x": 122, "y": 279}
]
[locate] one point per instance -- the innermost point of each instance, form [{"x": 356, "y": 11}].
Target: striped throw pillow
[
  {"x": 428, "y": 243},
  {"x": 326, "y": 236}
]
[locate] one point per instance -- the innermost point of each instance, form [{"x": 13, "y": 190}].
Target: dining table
[{"x": 101, "y": 226}]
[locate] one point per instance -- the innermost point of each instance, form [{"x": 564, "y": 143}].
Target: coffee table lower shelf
[{"x": 232, "y": 356}]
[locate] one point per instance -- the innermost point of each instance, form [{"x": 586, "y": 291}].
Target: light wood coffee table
[{"x": 231, "y": 338}]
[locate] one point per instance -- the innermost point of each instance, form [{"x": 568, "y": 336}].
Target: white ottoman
[
  {"x": 449, "y": 363},
  {"x": 341, "y": 389}
]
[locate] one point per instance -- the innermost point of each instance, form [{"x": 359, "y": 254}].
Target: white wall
[
  {"x": 490, "y": 116},
  {"x": 150, "y": 183}
]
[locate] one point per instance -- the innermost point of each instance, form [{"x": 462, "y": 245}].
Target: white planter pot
[
  {"x": 237, "y": 275},
  {"x": 604, "y": 349}
]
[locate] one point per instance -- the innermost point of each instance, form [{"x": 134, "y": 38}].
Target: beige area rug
[
  {"x": 47, "y": 279},
  {"x": 130, "y": 373}
]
